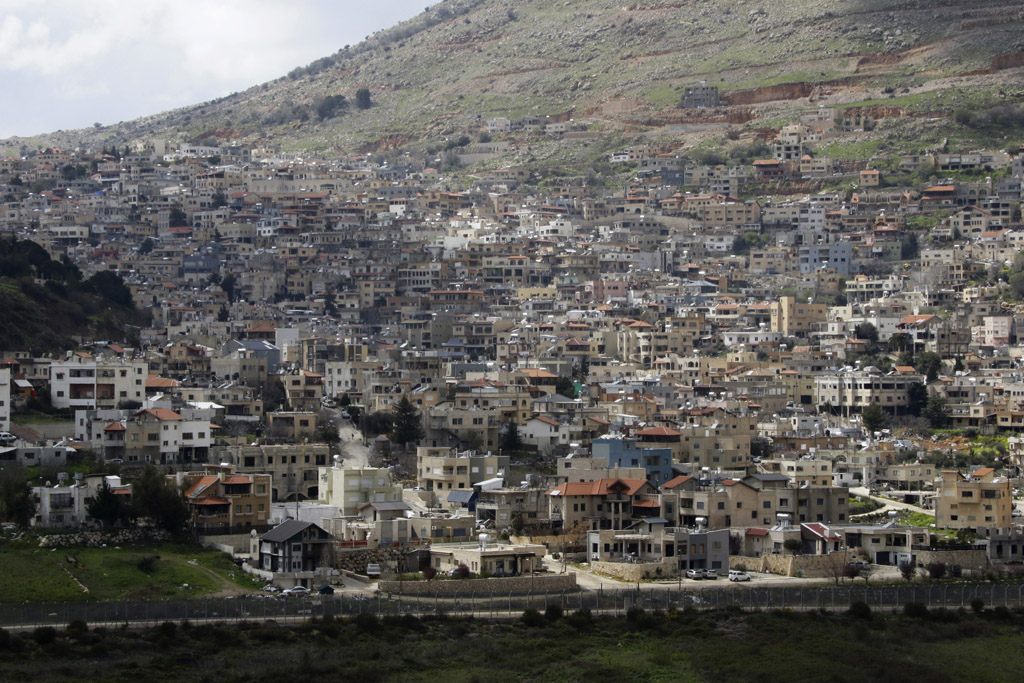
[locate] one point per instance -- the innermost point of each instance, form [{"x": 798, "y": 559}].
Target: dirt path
[{"x": 227, "y": 587}]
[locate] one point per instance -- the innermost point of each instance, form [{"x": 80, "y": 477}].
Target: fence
[{"x": 617, "y": 602}]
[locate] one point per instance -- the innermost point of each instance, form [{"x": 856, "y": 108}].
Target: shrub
[
  {"x": 955, "y": 571},
  {"x": 168, "y": 629},
  {"x": 860, "y": 610},
  {"x": 147, "y": 563},
  {"x": 908, "y": 569},
  {"x": 553, "y": 612},
  {"x": 77, "y": 627},
  {"x": 532, "y": 618},
  {"x": 936, "y": 570},
  {"x": 429, "y": 572},
  {"x": 916, "y": 610},
  {"x": 44, "y": 635},
  {"x": 366, "y": 621},
  {"x": 462, "y": 571},
  {"x": 978, "y": 605}
]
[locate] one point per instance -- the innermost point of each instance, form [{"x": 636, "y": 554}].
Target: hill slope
[{"x": 622, "y": 66}]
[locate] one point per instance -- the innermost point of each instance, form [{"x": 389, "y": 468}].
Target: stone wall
[
  {"x": 355, "y": 560},
  {"x": 966, "y": 559},
  {"x": 98, "y": 538},
  {"x": 809, "y": 566},
  {"x": 640, "y": 571},
  {"x": 540, "y": 583}
]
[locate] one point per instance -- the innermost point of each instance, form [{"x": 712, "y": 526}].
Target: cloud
[{"x": 140, "y": 57}]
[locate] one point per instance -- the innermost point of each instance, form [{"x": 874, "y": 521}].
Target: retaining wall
[{"x": 541, "y": 583}]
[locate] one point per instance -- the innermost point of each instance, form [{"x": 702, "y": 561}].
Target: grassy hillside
[{"x": 622, "y": 66}]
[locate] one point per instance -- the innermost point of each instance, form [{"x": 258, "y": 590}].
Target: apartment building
[
  {"x": 86, "y": 381},
  {"x": 977, "y": 500}
]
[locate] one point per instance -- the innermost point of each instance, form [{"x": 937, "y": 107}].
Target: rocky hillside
[{"x": 622, "y": 66}]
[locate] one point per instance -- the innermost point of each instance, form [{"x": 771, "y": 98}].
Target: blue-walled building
[{"x": 657, "y": 462}]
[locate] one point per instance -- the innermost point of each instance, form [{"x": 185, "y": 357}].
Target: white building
[{"x": 86, "y": 381}]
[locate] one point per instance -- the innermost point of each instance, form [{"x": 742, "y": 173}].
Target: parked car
[
  {"x": 373, "y": 570},
  {"x": 858, "y": 564},
  {"x": 7, "y": 437},
  {"x": 345, "y": 414},
  {"x": 695, "y": 574},
  {"x": 325, "y": 589},
  {"x": 296, "y": 590},
  {"x": 710, "y": 573},
  {"x": 736, "y": 575}
]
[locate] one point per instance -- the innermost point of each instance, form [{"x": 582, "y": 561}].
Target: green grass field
[{"x": 33, "y": 574}]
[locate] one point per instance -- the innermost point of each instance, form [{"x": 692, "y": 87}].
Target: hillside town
[{"x": 783, "y": 364}]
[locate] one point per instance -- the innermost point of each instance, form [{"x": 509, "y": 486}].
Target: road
[
  {"x": 888, "y": 504},
  {"x": 353, "y": 452}
]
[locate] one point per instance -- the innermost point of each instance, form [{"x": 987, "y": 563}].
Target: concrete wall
[
  {"x": 238, "y": 543},
  {"x": 541, "y": 583}
]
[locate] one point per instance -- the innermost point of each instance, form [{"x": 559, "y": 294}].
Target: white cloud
[{"x": 140, "y": 57}]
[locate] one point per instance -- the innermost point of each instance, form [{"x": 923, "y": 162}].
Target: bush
[
  {"x": 148, "y": 563},
  {"x": 462, "y": 571},
  {"x": 168, "y": 629},
  {"x": 366, "y": 621},
  {"x": 978, "y": 605},
  {"x": 908, "y": 570},
  {"x": 429, "y": 572},
  {"x": 916, "y": 610},
  {"x": 44, "y": 635},
  {"x": 936, "y": 570},
  {"x": 532, "y": 618},
  {"x": 860, "y": 610},
  {"x": 553, "y": 612}
]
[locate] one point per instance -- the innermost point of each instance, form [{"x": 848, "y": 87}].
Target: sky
[{"x": 67, "y": 64}]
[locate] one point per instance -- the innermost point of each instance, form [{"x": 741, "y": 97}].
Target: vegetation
[
  {"x": 920, "y": 644},
  {"x": 34, "y": 574},
  {"x": 407, "y": 424},
  {"x": 46, "y": 301}
]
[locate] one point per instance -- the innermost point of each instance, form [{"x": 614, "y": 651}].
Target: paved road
[
  {"x": 354, "y": 453},
  {"x": 888, "y": 504}
]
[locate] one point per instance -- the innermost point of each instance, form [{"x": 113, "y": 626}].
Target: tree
[
  {"x": 901, "y": 341},
  {"x": 107, "y": 507},
  {"x": 159, "y": 501},
  {"x": 867, "y": 332},
  {"x": 363, "y": 98},
  {"x": 110, "y": 286},
  {"x": 936, "y": 412},
  {"x": 331, "y": 106},
  {"x": 177, "y": 218},
  {"x": 908, "y": 569},
  {"x": 408, "y": 426},
  {"x": 874, "y": 417},
  {"x": 146, "y": 246},
  {"x": 929, "y": 364},
  {"x": 565, "y": 387},
  {"x": 917, "y": 398},
  {"x": 794, "y": 545},
  {"x": 510, "y": 441},
  {"x": 17, "y": 503},
  {"x": 218, "y": 200},
  {"x": 375, "y": 424},
  {"x": 228, "y": 284}
]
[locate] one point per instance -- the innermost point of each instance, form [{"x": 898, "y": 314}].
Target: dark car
[{"x": 325, "y": 589}]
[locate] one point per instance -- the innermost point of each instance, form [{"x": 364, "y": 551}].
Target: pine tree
[{"x": 407, "y": 427}]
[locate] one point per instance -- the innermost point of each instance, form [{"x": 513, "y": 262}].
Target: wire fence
[{"x": 611, "y": 602}]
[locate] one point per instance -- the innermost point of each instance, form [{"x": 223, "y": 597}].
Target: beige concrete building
[
  {"x": 977, "y": 500},
  {"x": 795, "y": 319}
]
